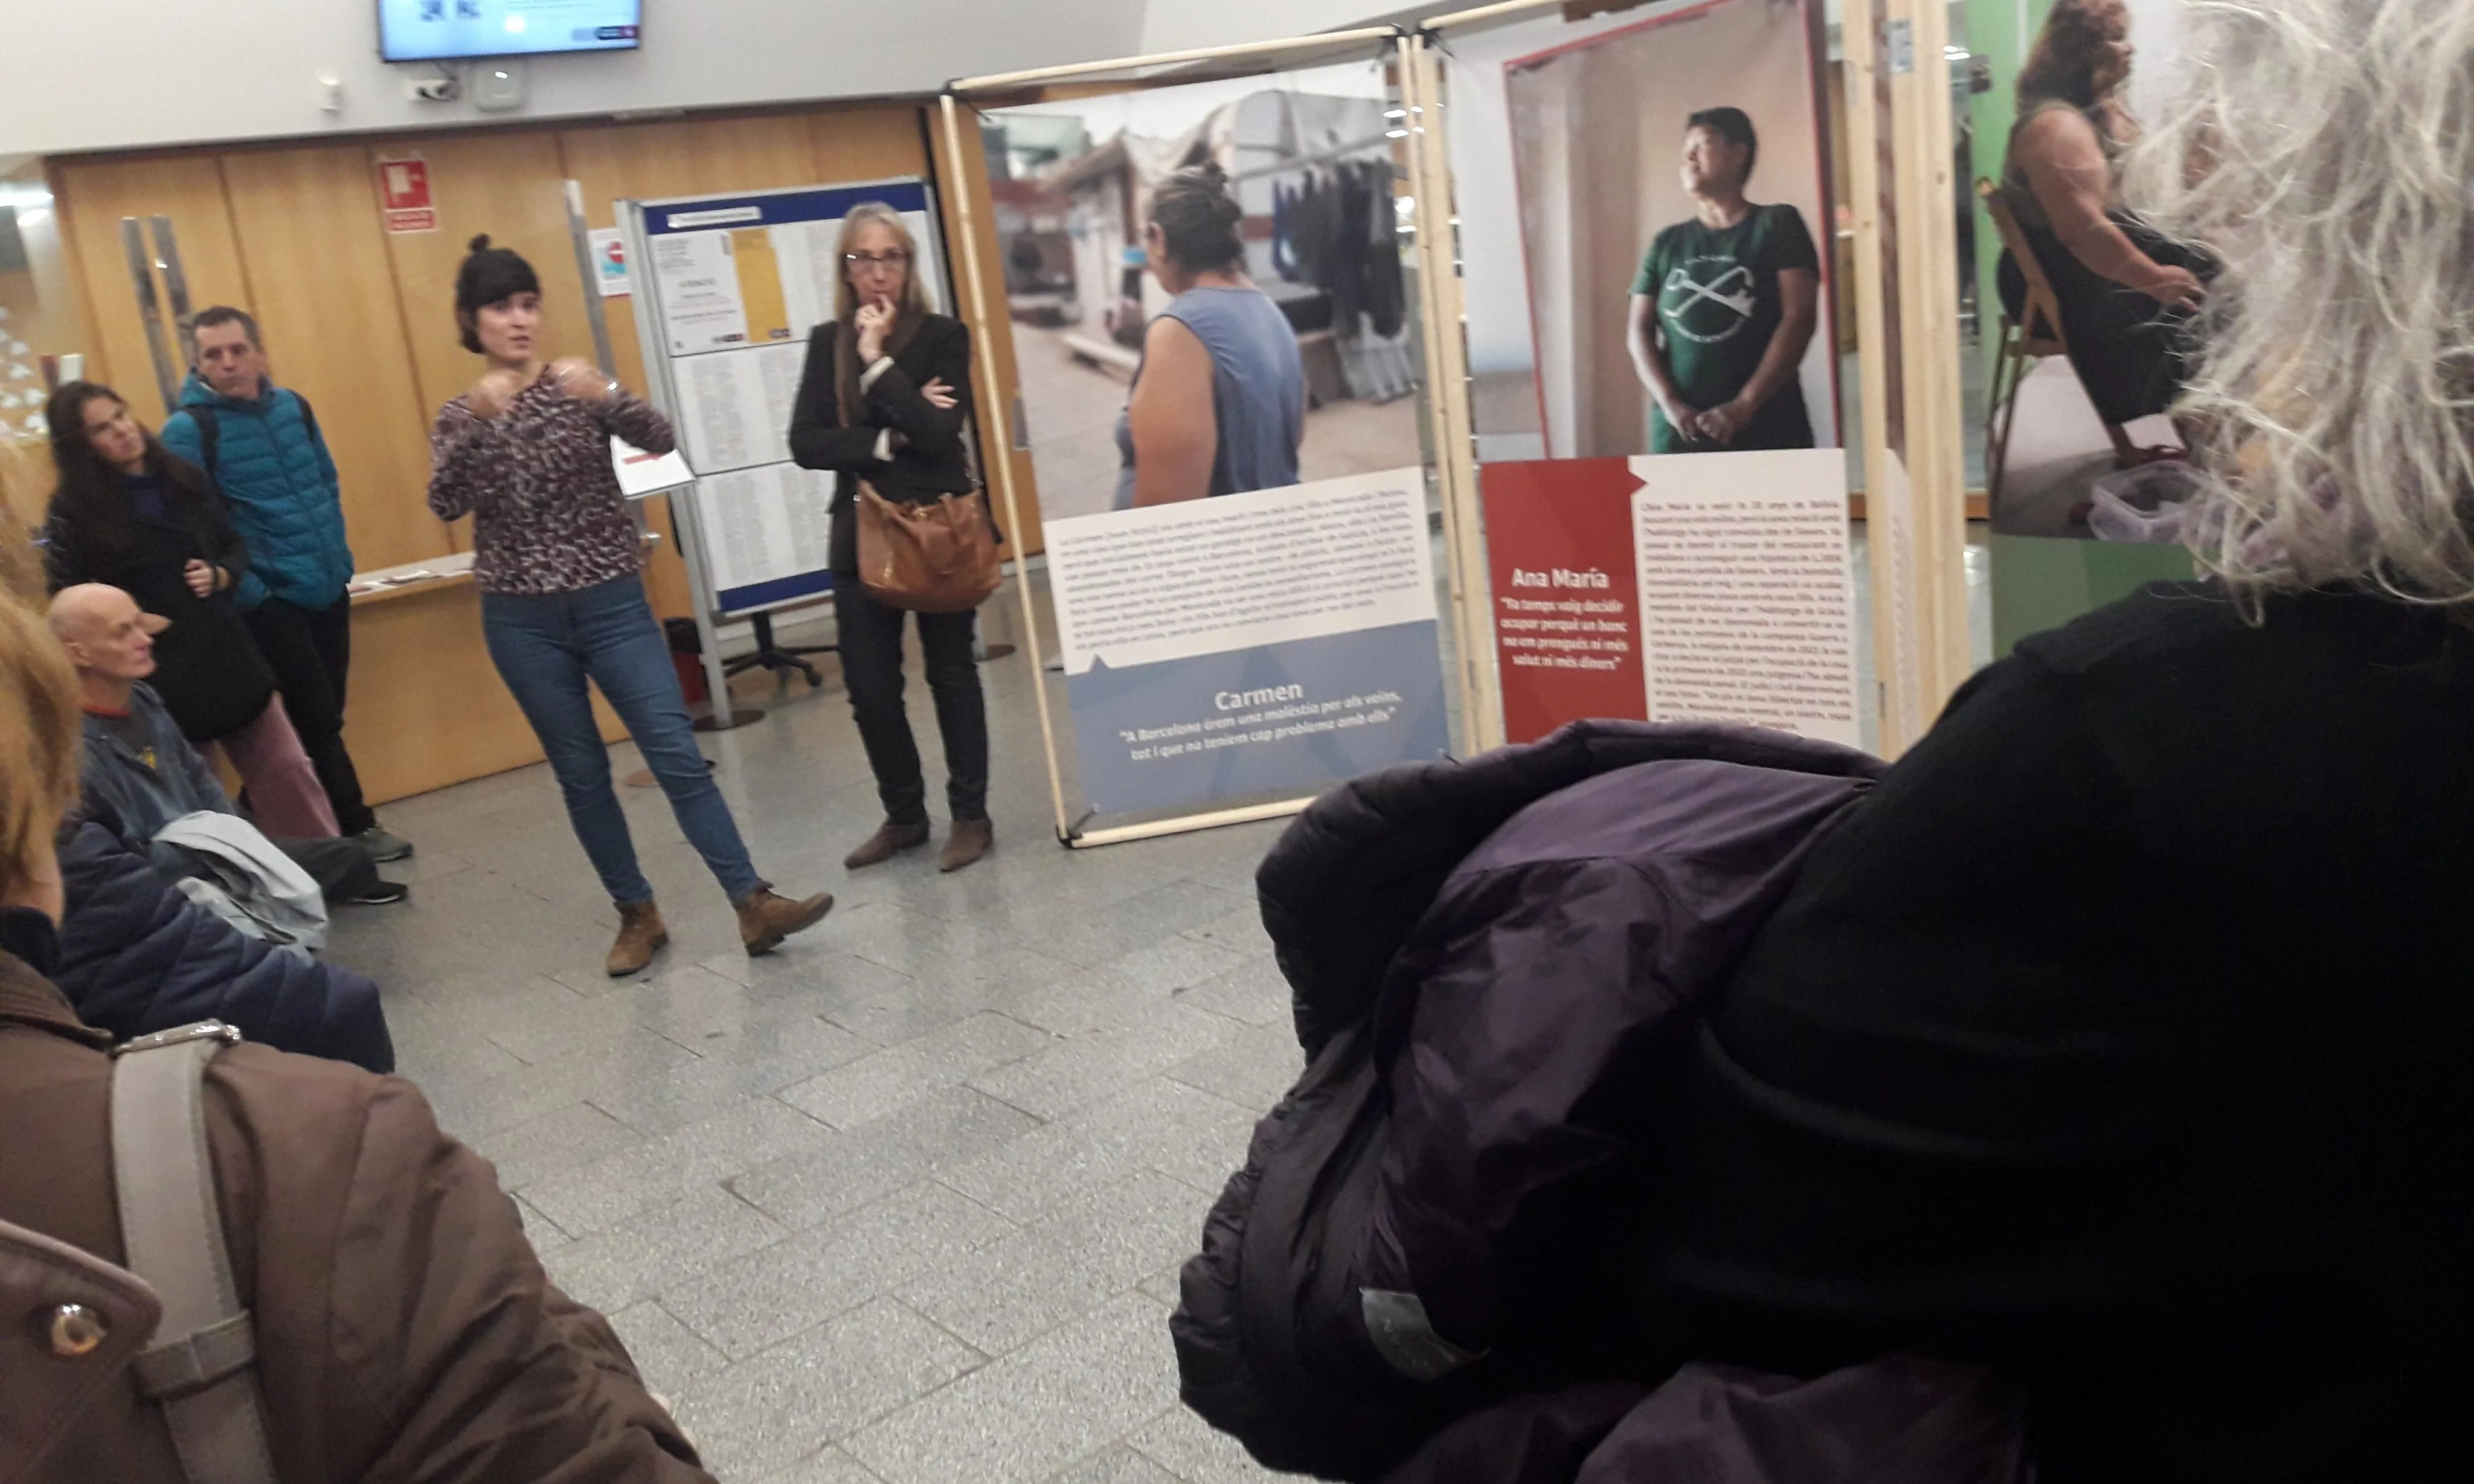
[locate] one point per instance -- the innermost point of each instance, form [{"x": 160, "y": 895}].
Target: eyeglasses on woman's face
[{"x": 876, "y": 262}]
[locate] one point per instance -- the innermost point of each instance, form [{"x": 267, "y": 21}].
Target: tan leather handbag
[{"x": 931, "y": 556}]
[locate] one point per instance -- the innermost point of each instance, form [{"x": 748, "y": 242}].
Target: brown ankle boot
[
  {"x": 971, "y": 840},
  {"x": 890, "y": 839},
  {"x": 766, "y": 919},
  {"x": 641, "y": 936}
]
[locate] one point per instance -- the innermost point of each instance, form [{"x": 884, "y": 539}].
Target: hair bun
[{"x": 479, "y": 244}]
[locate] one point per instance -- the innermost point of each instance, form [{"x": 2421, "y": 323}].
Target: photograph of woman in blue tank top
[{"x": 1219, "y": 403}]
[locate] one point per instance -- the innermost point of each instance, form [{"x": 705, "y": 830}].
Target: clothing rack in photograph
[
  {"x": 1332, "y": 156},
  {"x": 1337, "y": 230}
]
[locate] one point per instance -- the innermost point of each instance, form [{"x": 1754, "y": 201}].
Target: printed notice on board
[
  {"x": 735, "y": 410},
  {"x": 702, "y": 308},
  {"x": 765, "y": 523}
]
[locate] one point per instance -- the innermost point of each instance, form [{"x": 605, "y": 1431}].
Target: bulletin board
[{"x": 727, "y": 290}]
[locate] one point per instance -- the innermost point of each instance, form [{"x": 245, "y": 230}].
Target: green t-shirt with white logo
[{"x": 1719, "y": 305}]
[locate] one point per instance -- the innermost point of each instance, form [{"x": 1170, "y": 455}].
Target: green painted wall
[
  {"x": 1998, "y": 30},
  {"x": 2042, "y": 582}
]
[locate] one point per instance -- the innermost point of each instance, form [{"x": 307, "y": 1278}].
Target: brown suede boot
[
  {"x": 641, "y": 936},
  {"x": 766, "y": 919},
  {"x": 971, "y": 840},
  {"x": 890, "y": 839}
]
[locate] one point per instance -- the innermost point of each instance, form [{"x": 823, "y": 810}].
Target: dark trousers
[
  {"x": 310, "y": 652},
  {"x": 2132, "y": 354},
  {"x": 871, "y": 648},
  {"x": 341, "y": 867}
]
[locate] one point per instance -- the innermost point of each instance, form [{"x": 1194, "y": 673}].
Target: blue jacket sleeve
[{"x": 138, "y": 957}]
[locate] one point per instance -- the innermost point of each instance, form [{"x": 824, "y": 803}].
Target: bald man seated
[{"x": 142, "y": 768}]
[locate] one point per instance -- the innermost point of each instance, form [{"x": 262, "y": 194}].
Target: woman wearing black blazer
[{"x": 886, "y": 397}]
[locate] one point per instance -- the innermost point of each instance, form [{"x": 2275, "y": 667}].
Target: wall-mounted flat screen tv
[{"x": 447, "y": 30}]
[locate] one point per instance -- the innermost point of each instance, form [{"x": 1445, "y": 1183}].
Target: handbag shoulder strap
[
  {"x": 211, "y": 437},
  {"x": 202, "y": 1369}
]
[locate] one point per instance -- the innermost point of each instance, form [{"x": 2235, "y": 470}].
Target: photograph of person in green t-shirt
[{"x": 1725, "y": 306}]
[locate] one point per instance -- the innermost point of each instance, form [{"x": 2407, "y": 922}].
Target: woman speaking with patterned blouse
[{"x": 526, "y": 454}]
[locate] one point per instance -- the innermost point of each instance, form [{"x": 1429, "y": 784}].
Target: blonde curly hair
[{"x": 2322, "y": 150}]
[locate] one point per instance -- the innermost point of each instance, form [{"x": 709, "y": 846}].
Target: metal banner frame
[
  {"x": 1480, "y": 718},
  {"x": 1918, "y": 540},
  {"x": 658, "y": 387}
]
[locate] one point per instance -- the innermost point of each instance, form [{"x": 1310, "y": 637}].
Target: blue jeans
[{"x": 545, "y": 645}]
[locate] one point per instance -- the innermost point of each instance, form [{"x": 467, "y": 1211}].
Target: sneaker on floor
[
  {"x": 384, "y": 846},
  {"x": 382, "y": 894}
]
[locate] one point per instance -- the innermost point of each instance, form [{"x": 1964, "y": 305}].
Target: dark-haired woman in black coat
[{"x": 129, "y": 514}]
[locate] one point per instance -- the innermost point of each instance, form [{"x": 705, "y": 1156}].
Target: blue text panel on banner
[{"x": 1269, "y": 643}]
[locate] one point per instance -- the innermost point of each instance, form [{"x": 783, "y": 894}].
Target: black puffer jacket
[{"x": 1493, "y": 964}]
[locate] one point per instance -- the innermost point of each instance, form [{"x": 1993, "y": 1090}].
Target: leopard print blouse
[{"x": 547, "y": 515}]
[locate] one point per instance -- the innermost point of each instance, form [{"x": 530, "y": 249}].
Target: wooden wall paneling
[
  {"x": 92, "y": 196},
  {"x": 868, "y": 143},
  {"x": 995, "y": 344},
  {"x": 686, "y": 157},
  {"x": 41, "y": 293},
  {"x": 506, "y": 183},
  {"x": 427, "y": 708},
  {"x": 308, "y": 221}
]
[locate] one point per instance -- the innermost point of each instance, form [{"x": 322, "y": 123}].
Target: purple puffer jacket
[
  {"x": 1900, "y": 1420},
  {"x": 1494, "y": 963}
]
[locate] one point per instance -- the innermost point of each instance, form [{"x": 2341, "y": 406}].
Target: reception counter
[{"x": 426, "y": 707}]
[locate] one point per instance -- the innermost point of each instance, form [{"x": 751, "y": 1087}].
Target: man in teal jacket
[{"x": 260, "y": 446}]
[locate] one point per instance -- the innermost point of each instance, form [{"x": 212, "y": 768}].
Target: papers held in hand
[{"x": 642, "y": 473}]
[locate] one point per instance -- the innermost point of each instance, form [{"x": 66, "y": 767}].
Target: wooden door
[
  {"x": 94, "y": 195},
  {"x": 509, "y": 186},
  {"x": 324, "y": 290}
]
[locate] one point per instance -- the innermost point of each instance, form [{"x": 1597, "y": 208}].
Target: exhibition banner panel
[
  {"x": 1603, "y": 256},
  {"x": 1260, "y": 644},
  {"x": 1705, "y": 588}
]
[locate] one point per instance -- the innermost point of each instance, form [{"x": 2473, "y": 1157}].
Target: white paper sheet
[{"x": 702, "y": 307}]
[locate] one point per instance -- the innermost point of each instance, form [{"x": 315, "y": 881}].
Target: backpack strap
[
  {"x": 202, "y": 1369},
  {"x": 308, "y": 416},
  {"x": 210, "y": 432}
]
